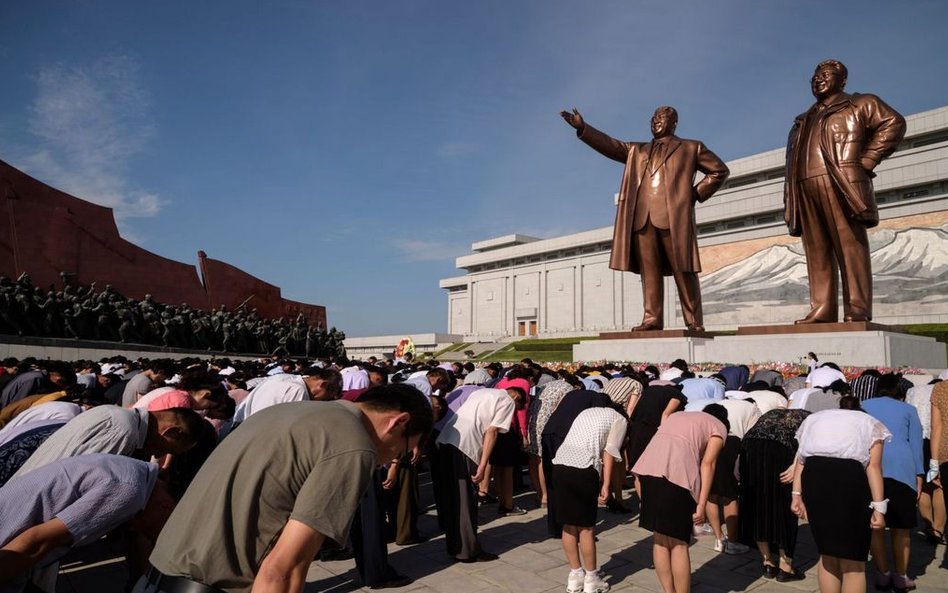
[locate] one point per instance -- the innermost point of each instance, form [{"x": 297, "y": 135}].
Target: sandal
[{"x": 934, "y": 536}]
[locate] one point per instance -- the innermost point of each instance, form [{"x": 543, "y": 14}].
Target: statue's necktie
[{"x": 658, "y": 153}]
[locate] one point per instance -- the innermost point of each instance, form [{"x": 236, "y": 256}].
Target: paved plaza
[{"x": 530, "y": 562}]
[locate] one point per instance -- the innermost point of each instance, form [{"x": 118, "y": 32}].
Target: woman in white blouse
[{"x": 837, "y": 486}]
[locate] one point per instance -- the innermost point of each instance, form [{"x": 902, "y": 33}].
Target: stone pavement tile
[
  {"x": 418, "y": 566},
  {"x": 455, "y": 580},
  {"x": 506, "y": 577},
  {"x": 641, "y": 579},
  {"x": 330, "y": 584},
  {"x": 533, "y": 561},
  {"x": 720, "y": 579},
  {"x": 613, "y": 541},
  {"x": 548, "y": 544},
  {"x": 338, "y": 567}
]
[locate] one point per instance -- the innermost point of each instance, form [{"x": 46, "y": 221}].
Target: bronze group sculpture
[
  {"x": 828, "y": 197},
  {"x": 655, "y": 232}
]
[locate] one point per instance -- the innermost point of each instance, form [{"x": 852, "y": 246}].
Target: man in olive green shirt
[{"x": 274, "y": 489}]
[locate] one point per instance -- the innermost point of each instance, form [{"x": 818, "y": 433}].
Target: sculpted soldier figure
[
  {"x": 655, "y": 232},
  {"x": 828, "y": 198}
]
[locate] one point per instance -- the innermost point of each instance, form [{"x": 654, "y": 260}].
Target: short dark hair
[
  {"x": 719, "y": 412},
  {"x": 332, "y": 377},
  {"x": 849, "y": 402},
  {"x": 63, "y": 369},
  {"x": 839, "y": 386},
  {"x": 197, "y": 378},
  {"x": 165, "y": 366},
  {"x": 443, "y": 375},
  {"x": 889, "y": 384},
  {"x": 401, "y": 397}
]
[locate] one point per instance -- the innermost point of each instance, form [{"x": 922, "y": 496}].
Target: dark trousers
[
  {"x": 368, "y": 535},
  {"x": 434, "y": 467},
  {"x": 460, "y": 503},
  {"x": 553, "y": 528},
  {"x": 406, "y": 518}
]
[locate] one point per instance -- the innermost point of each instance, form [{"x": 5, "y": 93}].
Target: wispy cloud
[
  {"x": 456, "y": 149},
  {"x": 88, "y": 122},
  {"x": 422, "y": 250}
]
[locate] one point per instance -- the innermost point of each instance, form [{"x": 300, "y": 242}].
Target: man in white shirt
[
  {"x": 825, "y": 375},
  {"x": 465, "y": 445},
  {"x": 315, "y": 384},
  {"x": 430, "y": 381},
  {"x": 110, "y": 429},
  {"x": 675, "y": 370}
]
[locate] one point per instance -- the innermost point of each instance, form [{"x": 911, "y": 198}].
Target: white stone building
[{"x": 753, "y": 272}]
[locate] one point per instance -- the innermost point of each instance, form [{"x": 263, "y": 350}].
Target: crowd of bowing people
[{"x": 738, "y": 456}]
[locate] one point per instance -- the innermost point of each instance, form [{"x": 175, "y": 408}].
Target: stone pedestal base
[
  {"x": 642, "y": 349},
  {"x": 871, "y": 348},
  {"x": 658, "y": 333},
  {"x": 851, "y": 344}
]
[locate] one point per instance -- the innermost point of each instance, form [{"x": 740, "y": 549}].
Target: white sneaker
[
  {"x": 594, "y": 583},
  {"x": 720, "y": 545},
  {"x": 734, "y": 547},
  {"x": 574, "y": 584}
]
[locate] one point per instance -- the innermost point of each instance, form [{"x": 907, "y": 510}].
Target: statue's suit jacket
[
  {"x": 682, "y": 160},
  {"x": 851, "y": 128}
]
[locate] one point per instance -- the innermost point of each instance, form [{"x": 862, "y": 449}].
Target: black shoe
[
  {"x": 787, "y": 577},
  {"x": 482, "y": 557},
  {"x": 394, "y": 582},
  {"x": 770, "y": 571},
  {"x": 514, "y": 510},
  {"x": 486, "y": 499},
  {"x": 333, "y": 555}
]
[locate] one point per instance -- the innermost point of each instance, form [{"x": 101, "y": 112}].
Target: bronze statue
[
  {"x": 828, "y": 199},
  {"x": 655, "y": 221}
]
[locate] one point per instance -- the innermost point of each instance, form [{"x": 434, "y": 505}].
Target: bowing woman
[{"x": 838, "y": 488}]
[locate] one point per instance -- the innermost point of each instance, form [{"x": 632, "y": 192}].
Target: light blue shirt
[
  {"x": 701, "y": 392},
  {"x": 902, "y": 456}
]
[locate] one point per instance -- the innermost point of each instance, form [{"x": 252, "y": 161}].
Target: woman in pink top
[
  {"x": 675, "y": 472},
  {"x": 507, "y": 450}
]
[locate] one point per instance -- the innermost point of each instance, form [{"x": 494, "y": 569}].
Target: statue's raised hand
[{"x": 573, "y": 118}]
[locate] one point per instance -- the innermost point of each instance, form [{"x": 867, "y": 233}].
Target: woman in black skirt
[
  {"x": 766, "y": 466},
  {"x": 582, "y": 469},
  {"x": 837, "y": 486},
  {"x": 675, "y": 472},
  {"x": 655, "y": 404}
]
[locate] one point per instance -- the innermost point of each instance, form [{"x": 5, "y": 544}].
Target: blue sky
[{"x": 349, "y": 151}]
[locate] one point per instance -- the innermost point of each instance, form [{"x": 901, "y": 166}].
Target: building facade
[{"x": 753, "y": 273}]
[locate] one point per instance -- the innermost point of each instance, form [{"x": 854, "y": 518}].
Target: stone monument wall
[{"x": 46, "y": 232}]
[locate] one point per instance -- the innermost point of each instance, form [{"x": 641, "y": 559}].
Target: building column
[{"x": 577, "y": 297}]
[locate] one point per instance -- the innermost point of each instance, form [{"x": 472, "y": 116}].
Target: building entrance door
[{"x": 533, "y": 327}]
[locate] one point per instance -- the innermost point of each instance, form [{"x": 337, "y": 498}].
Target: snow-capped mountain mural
[{"x": 910, "y": 273}]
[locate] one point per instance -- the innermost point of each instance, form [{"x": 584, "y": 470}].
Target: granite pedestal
[{"x": 854, "y": 344}]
